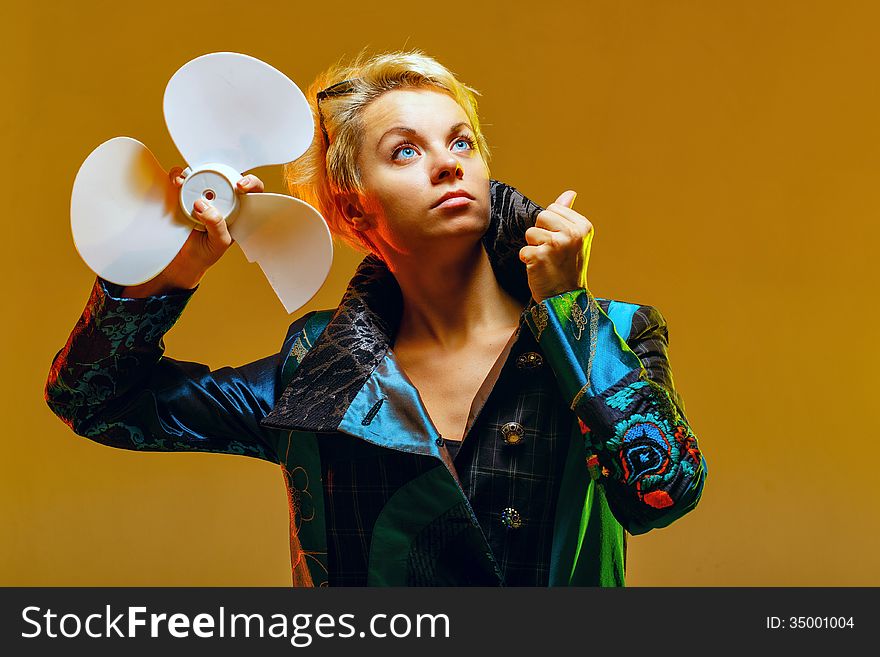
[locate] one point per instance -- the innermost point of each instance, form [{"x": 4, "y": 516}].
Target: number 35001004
[{"x": 810, "y": 622}]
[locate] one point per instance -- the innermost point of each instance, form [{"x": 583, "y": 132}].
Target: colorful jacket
[{"x": 334, "y": 394}]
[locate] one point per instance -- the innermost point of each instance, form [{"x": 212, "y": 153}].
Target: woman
[{"x": 469, "y": 415}]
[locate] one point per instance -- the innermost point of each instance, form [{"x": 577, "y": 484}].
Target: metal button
[
  {"x": 513, "y": 433},
  {"x": 530, "y": 360},
  {"x": 439, "y": 441},
  {"x": 511, "y": 519}
]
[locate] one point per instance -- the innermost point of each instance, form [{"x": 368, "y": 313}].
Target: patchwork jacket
[{"x": 374, "y": 496}]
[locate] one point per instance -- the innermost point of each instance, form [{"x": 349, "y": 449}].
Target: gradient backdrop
[{"x": 728, "y": 155}]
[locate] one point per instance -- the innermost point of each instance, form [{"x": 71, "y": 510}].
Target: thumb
[
  {"x": 567, "y": 198},
  {"x": 213, "y": 221}
]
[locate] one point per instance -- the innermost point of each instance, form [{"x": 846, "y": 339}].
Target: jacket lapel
[
  {"x": 349, "y": 380},
  {"x": 388, "y": 411}
]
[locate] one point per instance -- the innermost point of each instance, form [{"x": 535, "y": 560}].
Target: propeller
[{"x": 226, "y": 113}]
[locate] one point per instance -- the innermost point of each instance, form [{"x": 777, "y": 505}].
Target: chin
[{"x": 463, "y": 225}]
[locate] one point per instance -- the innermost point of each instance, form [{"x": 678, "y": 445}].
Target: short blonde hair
[{"x": 322, "y": 172}]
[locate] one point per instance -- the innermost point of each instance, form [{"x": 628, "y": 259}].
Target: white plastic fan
[{"x": 226, "y": 113}]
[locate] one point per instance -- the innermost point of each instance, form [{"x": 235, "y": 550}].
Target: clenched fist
[{"x": 557, "y": 249}]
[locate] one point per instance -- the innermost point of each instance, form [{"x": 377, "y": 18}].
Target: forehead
[{"x": 421, "y": 109}]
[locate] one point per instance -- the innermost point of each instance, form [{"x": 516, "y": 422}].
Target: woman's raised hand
[
  {"x": 201, "y": 249},
  {"x": 557, "y": 250}
]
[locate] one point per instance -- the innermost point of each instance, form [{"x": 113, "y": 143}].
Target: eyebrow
[{"x": 404, "y": 130}]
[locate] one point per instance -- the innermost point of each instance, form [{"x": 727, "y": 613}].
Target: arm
[
  {"x": 112, "y": 384},
  {"x": 643, "y": 450}
]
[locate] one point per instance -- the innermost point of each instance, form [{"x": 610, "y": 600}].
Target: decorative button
[
  {"x": 530, "y": 360},
  {"x": 510, "y": 518},
  {"x": 513, "y": 433},
  {"x": 439, "y": 441}
]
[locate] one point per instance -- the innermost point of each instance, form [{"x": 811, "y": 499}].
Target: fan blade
[
  {"x": 124, "y": 213},
  {"x": 290, "y": 241},
  {"x": 237, "y": 110}
]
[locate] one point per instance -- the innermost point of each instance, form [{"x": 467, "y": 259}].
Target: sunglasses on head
[{"x": 338, "y": 89}]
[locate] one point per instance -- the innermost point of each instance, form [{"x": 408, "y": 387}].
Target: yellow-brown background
[{"x": 728, "y": 155}]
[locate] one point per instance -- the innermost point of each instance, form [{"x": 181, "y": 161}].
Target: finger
[
  {"x": 536, "y": 235},
  {"x": 250, "y": 183},
  {"x": 577, "y": 221},
  {"x": 566, "y": 198},
  {"x": 566, "y": 212},
  {"x": 213, "y": 221},
  {"x": 564, "y": 202},
  {"x": 552, "y": 220},
  {"x": 532, "y": 254},
  {"x": 176, "y": 176}
]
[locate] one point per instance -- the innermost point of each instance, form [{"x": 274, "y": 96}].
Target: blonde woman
[{"x": 470, "y": 414}]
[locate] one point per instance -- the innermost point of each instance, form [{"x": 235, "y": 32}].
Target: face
[{"x": 419, "y": 146}]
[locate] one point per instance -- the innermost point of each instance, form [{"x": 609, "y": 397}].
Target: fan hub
[{"x": 213, "y": 183}]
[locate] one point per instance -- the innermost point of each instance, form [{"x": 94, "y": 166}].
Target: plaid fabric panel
[
  {"x": 524, "y": 477},
  {"x": 359, "y": 479}
]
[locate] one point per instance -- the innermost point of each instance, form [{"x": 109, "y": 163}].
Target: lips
[{"x": 456, "y": 193}]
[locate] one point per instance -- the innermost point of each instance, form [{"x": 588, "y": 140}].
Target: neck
[{"x": 451, "y": 298}]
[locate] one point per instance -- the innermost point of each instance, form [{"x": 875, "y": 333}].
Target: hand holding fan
[{"x": 226, "y": 113}]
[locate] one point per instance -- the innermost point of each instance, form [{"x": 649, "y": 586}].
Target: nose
[{"x": 447, "y": 167}]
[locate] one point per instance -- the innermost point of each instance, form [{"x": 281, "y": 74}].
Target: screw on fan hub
[{"x": 214, "y": 183}]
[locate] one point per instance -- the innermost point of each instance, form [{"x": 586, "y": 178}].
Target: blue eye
[{"x": 408, "y": 152}]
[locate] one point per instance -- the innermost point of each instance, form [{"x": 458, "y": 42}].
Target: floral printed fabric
[{"x": 112, "y": 384}]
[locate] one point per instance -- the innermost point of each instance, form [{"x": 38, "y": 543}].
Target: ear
[{"x": 351, "y": 207}]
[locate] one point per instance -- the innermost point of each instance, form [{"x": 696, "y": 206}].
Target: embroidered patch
[
  {"x": 299, "y": 350},
  {"x": 593, "y": 467},
  {"x": 688, "y": 442},
  {"x": 578, "y": 395},
  {"x": 541, "y": 316},
  {"x": 651, "y": 455},
  {"x": 302, "y": 509},
  {"x": 659, "y": 499},
  {"x": 623, "y": 398},
  {"x": 645, "y": 450},
  {"x": 300, "y": 497},
  {"x": 579, "y": 321},
  {"x": 594, "y": 332}
]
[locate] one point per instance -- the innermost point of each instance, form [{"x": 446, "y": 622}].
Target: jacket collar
[{"x": 359, "y": 334}]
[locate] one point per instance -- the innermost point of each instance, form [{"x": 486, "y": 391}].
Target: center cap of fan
[{"x": 214, "y": 184}]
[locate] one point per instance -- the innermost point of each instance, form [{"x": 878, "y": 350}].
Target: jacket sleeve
[
  {"x": 640, "y": 445},
  {"x": 112, "y": 384}
]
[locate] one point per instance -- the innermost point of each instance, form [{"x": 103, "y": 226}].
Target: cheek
[
  {"x": 397, "y": 212},
  {"x": 397, "y": 195},
  {"x": 480, "y": 168},
  {"x": 387, "y": 206}
]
